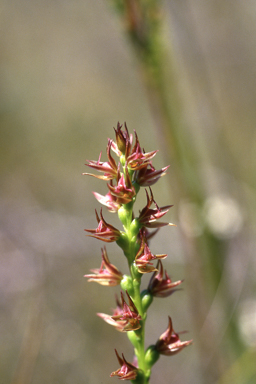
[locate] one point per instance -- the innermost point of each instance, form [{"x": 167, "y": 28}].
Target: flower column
[{"x": 134, "y": 170}]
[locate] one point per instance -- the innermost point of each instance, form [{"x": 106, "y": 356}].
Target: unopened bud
[
  {"x": 123, "y": 241},
  {"x": 135, "y": 227},
  {"x": 126, "y": 284},
  {"x": 122, "y": 214},
  {"x": 147, "y": 299},
  {"x": 151, "y": 356}
]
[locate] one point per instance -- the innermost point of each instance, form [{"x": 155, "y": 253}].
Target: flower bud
[
  {"x": 107, "y": 274},
  {"x": 135, "y": 227},
  {"x": 122, "y": 215},
  {"x": 151, "y": 356},
  {"x": 123, "y": 241},
  {"x": 133, "y": 337},
  {"x": 146, "y": 298},
  {"x": 169, "y": 342},
  {"x": 127, "y": 370},
  {"x": 126, "y": 284}
]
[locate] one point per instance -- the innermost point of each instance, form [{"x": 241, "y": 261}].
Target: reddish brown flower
[
  {"x": 123, "y": 141},
  {"x": 148, "y": 235},
  {"x": 169, "y": 342},
  {"x": 108, "y": 200},
  {"x": 144, "y": 256},
  {"x": 108, "y": 167},
  {"x": 127, "y": 370},
  {"x": 148, "y": 175},
  {"x": 148, "y": 216},
  {"x": 120, "y": 324},
  {"x": 124, "y": 190},
  {"x": 160, "y": 286},
  {"x": 107, "y": 274},
  {"x": 104, "y": 231},
  {"x": 138, "y": 158},
  {"x": 125, "y": 317},
  {"x": 135, "y": 157},
  {"x": 129, "y": 314}
]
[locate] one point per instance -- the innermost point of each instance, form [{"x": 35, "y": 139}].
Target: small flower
[
  {"x": 148, "y": 216},
  {"x": 119, "y": 325},
  {"x": 127, "y": 370},
  {"x": 129, "y": 314},
  {"x": 148, "y": 235},
  {"x": 144, "y": 256},
  {"x": 139, "y": 159},
  {"x": 104, "y": 231},
  {"x": 148, "y": 176},
  {"x": 123, "y": 141},
  {"x": 135, "y": 157},
  {"x": 108, "y": 200},
  {"x": 125, "y": 317},
  {"x": 124, "y": 191},
  {"x": 108, "y": 167},
  {"x": 169, "y": 342},
  {"x": 160, "y": 286},
  {"x": 107, "y": 274}
]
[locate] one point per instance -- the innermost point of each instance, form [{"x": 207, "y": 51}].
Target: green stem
[
  {"x": 140, "y": 333},
  {"x": 137, "y": 337}
]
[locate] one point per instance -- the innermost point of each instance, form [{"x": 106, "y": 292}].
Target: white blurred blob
[
  {"x": 190, "y": 219},
  {"x": 223, "y": 216},
  {"x": 247, "y": 321},
  {"x": 64, "y": 340}
]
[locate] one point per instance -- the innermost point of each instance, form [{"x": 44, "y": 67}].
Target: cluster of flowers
[{"x": 134, "y": 170}]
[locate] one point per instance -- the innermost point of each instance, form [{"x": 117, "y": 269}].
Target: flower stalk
[{"x": 126, "y": 177}]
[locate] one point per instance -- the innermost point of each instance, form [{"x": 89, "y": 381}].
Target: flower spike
[
  {"x": 160, "y": 286},
  {"x": 127, "y": 370},
  {"x": 125, "y": 177},
  {"x": 104, "y": 231},
  {"x": 169, "y": 342},
  {"x": 107, "y": 274}
]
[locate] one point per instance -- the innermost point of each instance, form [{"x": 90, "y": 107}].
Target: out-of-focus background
[{"x": 68, "y": 73}]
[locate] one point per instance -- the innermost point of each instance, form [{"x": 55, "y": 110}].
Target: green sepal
[
  {"x": 146, "y": 299},
  {"x": 151, "y": 356},
  {"x": 126, "y": 284}
]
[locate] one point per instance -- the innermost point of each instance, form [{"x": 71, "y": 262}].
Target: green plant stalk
[
  {"x": 144, "y": 31},
  {"x": 137, "y": 338}
]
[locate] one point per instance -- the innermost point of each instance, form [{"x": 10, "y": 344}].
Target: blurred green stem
[{"x": 206, "y": 254}]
